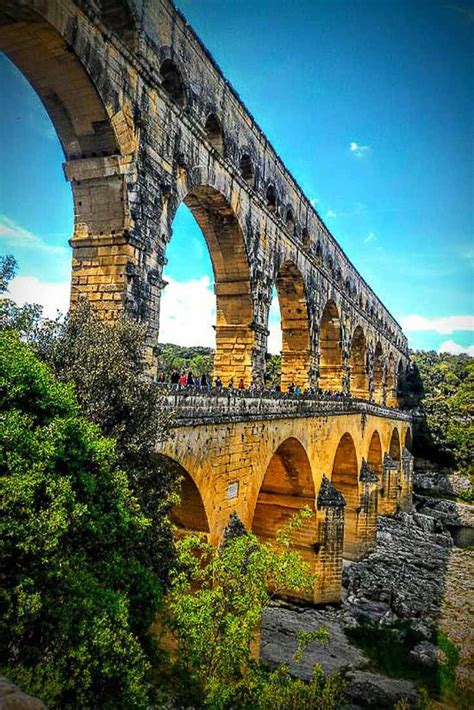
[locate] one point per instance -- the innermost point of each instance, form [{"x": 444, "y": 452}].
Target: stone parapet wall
[{"x": 202, "y": 405}]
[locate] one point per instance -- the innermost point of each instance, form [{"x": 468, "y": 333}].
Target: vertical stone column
[
  {"x": 388, "y": 499},
  {"x": 368, "y": 508},
  {"x": 261, "y": 298},
  {"x": 103, "y": 246},
  {"x": 406, "y": 481},
  {"x": 330, "y": 543}
]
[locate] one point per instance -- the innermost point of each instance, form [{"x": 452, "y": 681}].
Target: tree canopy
[{"x": 77, "y": 595}]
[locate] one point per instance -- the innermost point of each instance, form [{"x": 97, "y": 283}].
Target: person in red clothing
[
  {"x": 182, "y": 379},
  {"x": 241, "y": 385}
]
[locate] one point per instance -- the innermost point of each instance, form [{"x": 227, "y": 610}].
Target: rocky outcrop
[
  {"x": 405, "y": 575},
  {"x": 417, "y": 576},
  {"x": 279, "y": 642},
  {"x": 12, "y": 698},
  {"x": 428, "y": 479}
]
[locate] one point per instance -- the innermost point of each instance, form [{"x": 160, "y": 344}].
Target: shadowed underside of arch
[
  {"x": 377, "y": 378},
  {"x": 345, "y": 477},
  {"x": 330, "y": 352},
  {"x": 394, "y": 448},
  {"x": 48, "y": 57},
  {"x": 296, "y": 348},
  {"x": 374, "y": 454},
  {"x": 235, "y": 337},
  {"x": 189, "y": 515},
  {"x": 359, "y": 379},
  {"x": 287, "y": 487},
  {"x": 391, "y": 386}
]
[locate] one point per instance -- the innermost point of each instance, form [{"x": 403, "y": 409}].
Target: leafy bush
[
  {"x": 214, "y": 610},
  {"x": 77, "y": 596}
]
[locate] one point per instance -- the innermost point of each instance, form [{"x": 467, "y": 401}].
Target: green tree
[
  {"x": 214, "y": 611},
  {"x": 441, "y": 390},
  {"x": 106, "y": 363},
  {"x": 77, "y": 596}
]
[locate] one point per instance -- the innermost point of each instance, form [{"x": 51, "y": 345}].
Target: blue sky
[{"x": 369, "y": 104}]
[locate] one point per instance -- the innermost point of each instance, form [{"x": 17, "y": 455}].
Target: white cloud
[
  {"x": 13, "y": 235},
  {"x": 370, "y": 238},
  {"x": 329, "y": 214},
  {"x": 449, "y": 346},
  {"x": 274, "y": 326},
  {"x": 358, "y": 150},
  {"x": 52, "y": 296},
  {"x": 444, "y": 326},
  {"x": 188, "y": 313}
]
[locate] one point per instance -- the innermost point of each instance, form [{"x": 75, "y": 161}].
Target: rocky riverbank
[{"x": 415, "y": 585}]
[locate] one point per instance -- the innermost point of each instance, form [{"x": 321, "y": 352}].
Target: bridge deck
[{"x": 194, "y": 405}]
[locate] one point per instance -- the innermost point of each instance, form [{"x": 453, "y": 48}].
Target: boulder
[
  {"x": 12, "y": 698},
  {"x": 427, "y": 654},
  {"x": 371, "y": 690}
]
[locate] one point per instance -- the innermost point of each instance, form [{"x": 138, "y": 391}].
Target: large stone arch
[
  {"x": 378, "y": 375},
  {"x": 359, "y": 380},
  {"x": 330, "y": 349},
  {"x": 345, "y": 477},
  {"x": 394, "y": 447},
  {"x": 65, "y": 69},
  {"x": 375, "y": 454},
  {"x": 222, "y": 231},
  {"x": 287, "y": 488},
  {"x": 189, "y": 515},
  {"x": 391, "y": 382},
  {"x": 296, "y": 345}
]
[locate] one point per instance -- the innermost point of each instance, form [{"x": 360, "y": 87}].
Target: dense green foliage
[
  {"x": 196, "y": 359},
  {"x": 106, "y": 363},
  {"x": 440, "y": 388},
  {"x": 77, "y": 595},
  {"x": 214, "y": 610}
]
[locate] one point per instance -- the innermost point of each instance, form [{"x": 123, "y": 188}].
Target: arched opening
[
  {"x": 62, "y": 74},
  {"x": 296, "y": 348},
  {"x": 290, "y": 221},
  {"x": 287, "y": 487},
  {"x": 330, "y": 352},
  {"x": 408, "y": 440},
  {"x": 189, "y": 515},
  {"x": 217, "y": 229},
  {"x": 305, "y": 239},
  {"x": 374, "y": 454},
  {"x": 391, "y": 386},
  {"x": 394, "y": 448},
  {"x": 172, "y": 82},
  {"x": 345, "y": 477},
  {"x": 271, "y": 198},
  {"x": 400, "y": 382},
  {"x": 214, "y": 133},
  {"x": 377, "y": 377},
  {"x": 246, "y": 169},
  {"x": 319, "y": 251},
  {"x": 359, "y": 383}
]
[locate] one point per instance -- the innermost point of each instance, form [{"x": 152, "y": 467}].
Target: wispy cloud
[
  {"x": 13, "y": 236},
  {"x": 330, "y": 214},
  {"x": 370, "y": 238},
  {"x": 359, "y": 150},
  {"x": 444, "y": 326},
  {"x": 449, "y": 346}
]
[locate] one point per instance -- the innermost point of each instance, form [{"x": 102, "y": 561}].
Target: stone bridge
[
  {"x": 147, "y": 121},
  {"x": 266, "y": 457}
]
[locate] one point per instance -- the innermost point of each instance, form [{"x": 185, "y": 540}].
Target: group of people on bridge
[{"x": 205, "y": 382}]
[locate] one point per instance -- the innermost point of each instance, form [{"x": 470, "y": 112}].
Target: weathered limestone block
[{"x": 330, "y": 543}]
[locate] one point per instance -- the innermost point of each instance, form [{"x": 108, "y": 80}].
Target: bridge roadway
[{"x": 267, "y": 455}]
